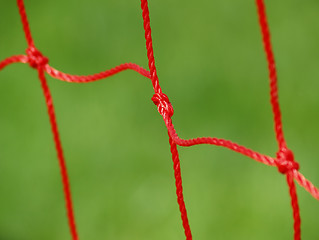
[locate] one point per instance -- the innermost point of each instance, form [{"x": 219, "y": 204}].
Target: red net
[{"x": 284, "y": 160}]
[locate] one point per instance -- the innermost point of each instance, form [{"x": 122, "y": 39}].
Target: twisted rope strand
[
  {"x": 285, "y": 157},
  {"x": 90, "y": 78},
  {"x": 25, "y": 23},
  {"x": 38, "y": 61},
  {"x": 284, "y": 160},
  {"x": 166, "y": 110},
  {"x": 13, "y": 59},
  {"x": 295, "y": 205},
  {"x": 272, "y": 73},
  {"x": 306, "y": 184},
  {"x": 58, "y": 146},
  {"x": 77, "y": 78},
  {"x": 179, "y": 189},
  {"x": 218, "y": 142},
  {"x": 149, "y": 46}
]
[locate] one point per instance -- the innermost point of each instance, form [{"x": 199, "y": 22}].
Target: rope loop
[
  {"x": 163, "y": 104},
  {"x": 35, "y": 58},
  {"x": 286, "y": 161}
]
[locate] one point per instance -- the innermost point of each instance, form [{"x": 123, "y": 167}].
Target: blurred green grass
[{"x": 211, "y": 64}]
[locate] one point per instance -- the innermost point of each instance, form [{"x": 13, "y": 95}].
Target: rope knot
[
  {"x": 286, "y": 161},
  {"x": 35, "y": 58},
  {"x": 163, "y": 104}
]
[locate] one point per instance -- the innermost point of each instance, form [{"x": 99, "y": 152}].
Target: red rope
[
  {"x": 13, "y": 59},
  {"x": 179, "y": 189},
  {"x": 37, "y": 61},
  {"x": 58, "y": 146},
  {"x": 149, "y": 46},
  {"x": 284, "y": 160},
  {"x": 25, "y": 23},
  {"x": 98, "y": 76},
  {"x": 295, "y": 206},
  {"x": 272, "y": 73}
]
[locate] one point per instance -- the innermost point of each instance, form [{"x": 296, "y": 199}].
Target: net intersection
[{"x": 284, "y": 160}]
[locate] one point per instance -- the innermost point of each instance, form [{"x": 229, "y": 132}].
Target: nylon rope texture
[{"x": 284, "y": 160}]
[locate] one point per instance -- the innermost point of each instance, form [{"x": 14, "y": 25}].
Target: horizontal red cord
[{"x": 284, "y": 160}]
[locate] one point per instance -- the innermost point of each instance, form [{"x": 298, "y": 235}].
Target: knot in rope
[
  {"x": 163, "y": 104},
  {"x": 35, "y": 58},
  {"x": 286, "y": 162}
]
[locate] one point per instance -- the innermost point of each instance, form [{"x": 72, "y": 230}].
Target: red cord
[
  {"x": 294, "y": 204},
  {"x": 25, "y": 23},
  {"x": 284, "y": 160},
  {"x": 149, "y": 46},
  {"x": 285, "y": 157},
  {"x": 37, "y": 61},
  {"x": 13, "y": 59},
  {"x": 306, "y": 184},
  {"x": 179, "y": 189},
  {"x": 166, "y": 110},
  {"x": 98, "y": 76},
  {"x": 58, "y": 146},
  {"x": 272, "y": 73}
]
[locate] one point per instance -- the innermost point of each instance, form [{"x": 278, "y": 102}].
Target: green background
[{"x": 211, "y": 64}]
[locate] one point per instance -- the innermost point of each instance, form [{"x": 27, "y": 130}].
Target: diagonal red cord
[
  {"x": 38, "y": 61},
  {"x": 58, "y": 146},
  {"x": 295, "y": 206},
  {"x": 284, "y": 160},
  {"x": 285, "y": 164},
  {"x": 272, "y": 73},
  {"x": 13, "y": 59},
  {"x": 149, "y": 46},
  {"x": 98, "y": 76},
  {"x": 25, "y": 23},
  {"x": 159, "y": 97},
  {"x": 306, "y": 184},
  {"x": 277, "y": 113},
  {"x": 159, "y": 100},
  {"x": 179, "y": 189}
]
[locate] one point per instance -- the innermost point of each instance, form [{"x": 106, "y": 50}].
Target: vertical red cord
[
  {"x": 272, "y": 73},
  {"x": 295, "y": 206},
  {"x": 38, "y": 61},
  {"x": 58, "y": 146},
  {"x": 149, "y": 46},
  {"x": 25, "y": 23},
  {"x": 179, "y": 189},
  {"x": 284, "y": 161},
  {"x": 277, "y": 114},
  {"x": 166, "y": 110}
]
